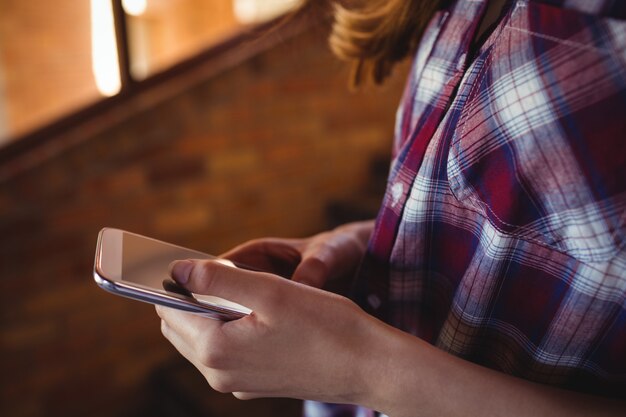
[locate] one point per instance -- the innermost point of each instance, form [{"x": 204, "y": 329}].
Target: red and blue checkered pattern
[{"x": 501, "y": 238}]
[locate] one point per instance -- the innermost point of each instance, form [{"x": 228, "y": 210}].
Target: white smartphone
[{"x": 137, "y": 267}]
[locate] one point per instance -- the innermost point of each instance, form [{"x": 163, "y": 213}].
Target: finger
[
  {"x": 318, "y": 265},
  {"x": 205, "y": 347},
  {"x": 177, "y": 341},
  {"x": 269, "y": 247},
  {"x": 255, "y": 290},
  {"x": 278, "y": 256},
  {"x": 189, "y": 353},
  {"x": 248, "y": 395},
  {"x": 312, "y": 271},
  {"x": 179, "y": 333},
  {"x": 188, "y": 325},
  {"x": 325, "y": 261},
  {"x": 182, "y": 345}
]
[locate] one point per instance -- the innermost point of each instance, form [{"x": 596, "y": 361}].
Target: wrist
[
  {"x": 401, "y": 373},
  {"x": 380, "y": 358},
  {"x": 369, "y": 361}
]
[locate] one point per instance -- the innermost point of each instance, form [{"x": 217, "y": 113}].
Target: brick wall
[
  {"x": 45, "y": 60},
  {"x": 258, "y": 150}
]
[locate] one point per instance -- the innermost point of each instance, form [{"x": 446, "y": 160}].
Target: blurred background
[{"x": 192, "y": 121}]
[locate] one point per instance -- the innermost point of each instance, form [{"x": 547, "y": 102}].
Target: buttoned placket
[{"x": 460, "y": 23}]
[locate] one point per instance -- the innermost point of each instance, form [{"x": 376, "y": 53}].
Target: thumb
[
  {"x": 312, "y": 271},
  {"x": 219, "y": 279},
  {"x": 320, "y": 263}
]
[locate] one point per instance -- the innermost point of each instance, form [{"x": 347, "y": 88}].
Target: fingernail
[{"x": 180, "y": 271}]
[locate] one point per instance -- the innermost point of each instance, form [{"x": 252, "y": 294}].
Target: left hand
[
  {"x": 330, "y": 257},
  {"x": 299, "y": 342}
]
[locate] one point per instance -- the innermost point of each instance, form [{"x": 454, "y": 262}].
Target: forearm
[{"x": 409, "y": 377}]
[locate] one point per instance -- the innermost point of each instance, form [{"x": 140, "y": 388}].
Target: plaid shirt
[{"x": 501, "y": 236}]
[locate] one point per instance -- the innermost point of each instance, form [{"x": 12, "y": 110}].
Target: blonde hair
[{"x": 374, "y": 35}]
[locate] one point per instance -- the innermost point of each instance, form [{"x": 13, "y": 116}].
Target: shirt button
[
  {"x": 374, "y": 301},
  {"x": 396, "y": 192},
  {"x": 461, "y": 63}
]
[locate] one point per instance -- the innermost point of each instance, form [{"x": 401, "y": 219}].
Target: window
[
  {"x": 60, "y": 56},
  {"x": 167, "y": 32},
  {"x": 45, "y": 63}
]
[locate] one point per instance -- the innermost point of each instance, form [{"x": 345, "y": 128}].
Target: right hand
[
  {"x": 299, "y": 341},
  {"x": 313, "y": 261}
]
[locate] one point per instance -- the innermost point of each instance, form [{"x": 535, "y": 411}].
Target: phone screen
[
  {"x": 142, "y": 262},
  {"x": 146, "y": 261}
]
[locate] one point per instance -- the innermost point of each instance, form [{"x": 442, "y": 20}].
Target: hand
[
  {"x": 303, "y": 342},
  {"x": 313, "y": 261},
  {"x": 299, "y": 342}
]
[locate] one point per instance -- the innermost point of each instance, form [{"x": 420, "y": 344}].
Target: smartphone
[{"x": 137, "y": 267}]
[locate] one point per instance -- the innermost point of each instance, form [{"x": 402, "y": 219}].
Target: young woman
[{"x": 493, "y": 281}]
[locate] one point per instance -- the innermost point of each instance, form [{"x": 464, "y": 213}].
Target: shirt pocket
[{"x": 539, "y": 147}]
